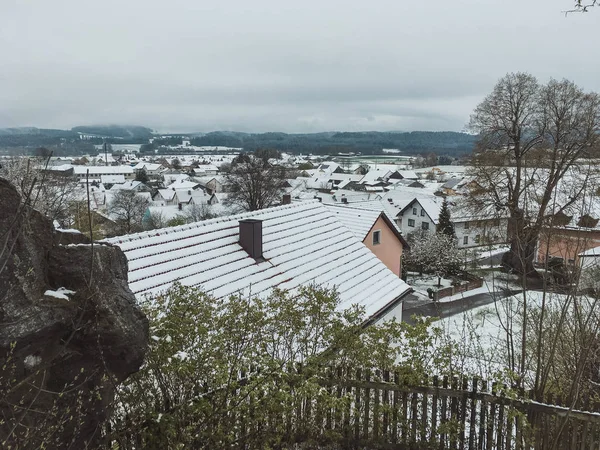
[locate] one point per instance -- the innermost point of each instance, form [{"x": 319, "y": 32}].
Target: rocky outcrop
[{"x": 70, "y": 330}]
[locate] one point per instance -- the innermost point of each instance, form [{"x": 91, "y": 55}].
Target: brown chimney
[
  {"x": 287, "y": 199},
  {"x": 251, "y": 238}
]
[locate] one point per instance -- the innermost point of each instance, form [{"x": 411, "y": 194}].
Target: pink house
[{"x": 376, "y": 230}]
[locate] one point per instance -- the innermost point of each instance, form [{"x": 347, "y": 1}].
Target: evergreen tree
[{"x": 444, "y": 225}]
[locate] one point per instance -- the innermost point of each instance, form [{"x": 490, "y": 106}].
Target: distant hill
[
  {"x": 115, "y": 131},
  {"x": 33, "y": 131},
  {"x": 368, "y": 142},
  {"x": 415, "y": 142}
]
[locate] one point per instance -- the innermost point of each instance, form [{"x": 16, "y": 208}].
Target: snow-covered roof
[
  {"x": 148, "y": 166},
  {"x": 127, "y": 186},
  {"x": 102, "y": 170},
  {"x": 359, "y": 221},
  {"x": 431, "y": 206},
  {"x": 183, "y": 184},
  {"x": 591, "y": 252},
  {"x": 113, "y": 179},
  {"x": 303, "y": 243},
  {"x": 451, "y": 183},
  {"x": 167, "y": 194},
  {"x": 377, "y": 173},
  {"x": 408, "y": 174},
  {"x": 184, "y": 196}
]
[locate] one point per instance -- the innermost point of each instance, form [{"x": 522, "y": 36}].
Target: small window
[
  {"x": 376, "y": 237},
  {"x": 425, "y": 225},
  {"x": 466, "y": 225},
  {"x": 466, "y": 240},
  {"x": 411, "y": 222},
  {"x": 422, "y": 213},
  {"x": 414, "y": 211},
  {"x": 477, "y": 238}
]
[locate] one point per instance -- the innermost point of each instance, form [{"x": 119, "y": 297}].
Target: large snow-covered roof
[
  {"x": 102, "y": 170},
  {"x": 303, "y": 243}
]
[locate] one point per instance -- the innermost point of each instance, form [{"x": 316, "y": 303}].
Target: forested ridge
[{"x": 368, "y": 142}]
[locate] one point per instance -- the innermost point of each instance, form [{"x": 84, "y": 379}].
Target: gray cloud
[{"x": 192, "y": 65}]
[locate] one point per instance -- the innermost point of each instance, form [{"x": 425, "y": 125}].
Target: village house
[
  {"x": 284, "y": 247},
  {"x": 153, "y": 171},
  {"x": 96, "y": 172},
  {"x": 419, "y": 214},
  {"x": 568, "y": 241},
  {"x": 376, "y": 230},
  {"x": 471, "y": 229}
]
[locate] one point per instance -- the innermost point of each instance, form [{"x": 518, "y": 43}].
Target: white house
[
  {"x": 96, "y": 172},
  {"x": 419, "y": 214}
]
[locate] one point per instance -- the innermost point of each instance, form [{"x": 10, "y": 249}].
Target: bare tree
[
  {"x": 531, "y": 138},
  {"x": 195, "y": 213},
  {"x": 51, "y": 193},
  {"x": 254, "y": 183},
  {"x": 127, "y": 208}
]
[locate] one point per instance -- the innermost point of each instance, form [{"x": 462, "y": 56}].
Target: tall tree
[
  {"x": 127, "y": 208},
  {"x": 531, "y": 138},
  {"x": 254, "y": 183},
  {"x": 445, "y": 225}
]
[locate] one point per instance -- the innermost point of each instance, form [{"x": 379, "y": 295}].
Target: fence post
[
  {"x": 424, "y": 413},
  {"x": 395, "y": 409},
  {"x": 357, "y": 405},
  {"x": 463, "y": 412},
  {"x": 482, "y": 417},
  {"x": 434, "y": 408},
  {"x": 472, "y": 421},
  {"x": 444, "y": 415},
  {"x": 367, "y": 405},
  {"x": 385, "y": 406},
  {"x": 491, "y": 420},
  {"x": 376, "y": 410}
]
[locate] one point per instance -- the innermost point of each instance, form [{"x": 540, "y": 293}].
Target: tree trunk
[{"x": 521, "y": 255}]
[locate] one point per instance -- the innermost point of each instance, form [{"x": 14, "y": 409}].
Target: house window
[
  {"x": 425, "y": 225},
  {"x": 466, "y": 240},
  {"x": 376, "y": 237},
  {"x": 414, "y": 211},
  {"x": 422, "y": 213},
  {"x": 477, "y": 238},
  {"x": 411, "y": 222},
  {"x": 466, "y": 225}
]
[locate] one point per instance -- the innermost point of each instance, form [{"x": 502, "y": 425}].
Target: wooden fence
[{"x": 377, "y": 409}]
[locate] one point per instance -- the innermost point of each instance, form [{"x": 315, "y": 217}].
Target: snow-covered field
[{"x": 481, "y": 333}]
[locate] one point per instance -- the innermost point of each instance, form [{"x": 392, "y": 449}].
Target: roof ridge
[{"x": 207, "y": 222}]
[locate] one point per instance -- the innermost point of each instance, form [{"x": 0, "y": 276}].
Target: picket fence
[{"x": 382, "y": 411}]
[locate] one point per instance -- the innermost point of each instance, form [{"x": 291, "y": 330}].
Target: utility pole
[{"x": 105, "y": 154}]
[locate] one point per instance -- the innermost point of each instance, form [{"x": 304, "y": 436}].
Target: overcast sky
[{"x": 273, "y": 65}]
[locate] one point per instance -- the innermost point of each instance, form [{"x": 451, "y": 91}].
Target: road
[{"x": 414, "y": 306}]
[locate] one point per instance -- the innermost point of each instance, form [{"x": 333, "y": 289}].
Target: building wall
[
  {"x": 419, "y": 219},
  {"x": 389, "y": 250},
  {"x": 566, "y": 244},
  {"x": 482, "y": 232}
]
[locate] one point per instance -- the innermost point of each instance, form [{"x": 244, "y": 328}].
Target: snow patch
[
  {"x": 68, "y": 230},
  {"x": 31, "y": 361},
  {"x": 61, "y": 293},
  {"x": 181, "y": 355}
]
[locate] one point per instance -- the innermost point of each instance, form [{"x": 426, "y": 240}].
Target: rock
[{"x": 70, "y": 330}]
